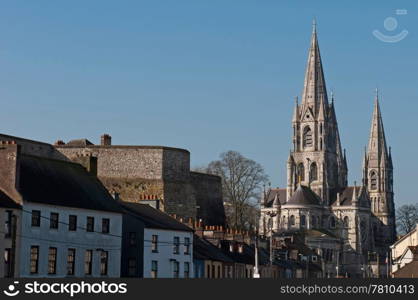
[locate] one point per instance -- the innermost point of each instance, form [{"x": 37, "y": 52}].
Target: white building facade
[
  {"x": 69, "y": 242},
  {"x": 168, "y": 253}
]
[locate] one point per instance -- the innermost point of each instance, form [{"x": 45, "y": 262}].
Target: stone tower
[
  {"x": 378, "y": 177},
  {"x": 316, "y": 159}
]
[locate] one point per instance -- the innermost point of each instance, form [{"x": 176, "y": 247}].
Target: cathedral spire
[
  {"x": 296, "y": 110},
  {"x": 377, "y": 140},
  {"x": 314, "y": 86}
]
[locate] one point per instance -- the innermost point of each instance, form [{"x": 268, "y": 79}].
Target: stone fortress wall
[
  {"x": 153, "y": 173},
  {"x": 142, "y": 173}
]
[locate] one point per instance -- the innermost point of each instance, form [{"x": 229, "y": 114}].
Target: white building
[
  {"x": 168, "y": 244},
  {"x": 67, "y": 224}
]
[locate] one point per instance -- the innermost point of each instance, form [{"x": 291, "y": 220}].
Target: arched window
[
  {"x": 320, "y": 144},
  {"x": 373, "y": 180},
  {"x": 283, "y": 221},
  {"x": 303, "y": 220},
  {"x": 307, "y": 137},
  {"x": 301, "y": 172},
  {"x": 313, "y": 172},
  {"x": 332, "y": 222},
  {"x": 292, "y": 220},
  {"x": 346, "y": 222}
]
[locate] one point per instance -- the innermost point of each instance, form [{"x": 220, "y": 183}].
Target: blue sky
[{"x": 208, "y": 76}]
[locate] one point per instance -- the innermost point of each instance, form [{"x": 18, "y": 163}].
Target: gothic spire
[
  {"x": 314, "y": 85},
  {"x": 296, "y": 110},
  {"x": 377, "y": 141}
]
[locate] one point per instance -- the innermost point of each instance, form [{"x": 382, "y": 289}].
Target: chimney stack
[{"x": 105, "y": 140}]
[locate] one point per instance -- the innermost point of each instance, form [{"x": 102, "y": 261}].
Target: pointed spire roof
[
  {"x": 314, "y": 85},
  {"x": 377, "y": 149},
  {"x": 296, "y": 110}
]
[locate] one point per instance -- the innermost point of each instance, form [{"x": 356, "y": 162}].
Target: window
[
  {"x": 301, "y": 172},
  {"x": 36, "y": 218},
  {"x": 313, "y": 221},
  {"x": 332, "y": 222},
  {"x": 132, "y": 238},
  {"x": 186, "y": 270},
  {"x": 303, "y": 220},
  {"x": 186, "y": 246},
  {"x": 71, "y": 261},
  {"x": 154, "y": 269},
  {"x": 7, "y": 265},
  {"x": 176, "y": 245},
  {"x": 72, "y": 223},
  {"x": 52, "y": 260},
  {"x": 154, "y": 243},
  {"x": 88, "y": 262},
  {"x": 176, "y": 269},
  {"x": 132, "y": 267},
  {"x": 8, "y": 224},
  {"x": 104, "y": 257},
  {"x": 90, "y": 224},
  {"x": 373, "y": 180},
  {"x": 53, "y": 221},
  {"x": 307, "y": 137},
  {"x": 313, "y": 174},
  {"x": 34, "y": 259},
  {"x": 292, "y": 220},
  {"x": 346, "y": 222},
  {"x": 105, "y": 225}
]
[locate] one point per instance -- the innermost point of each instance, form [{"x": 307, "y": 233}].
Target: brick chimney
[
  {"x": 87, "y": 161},
  {"x": 105, "y": 140},
  {"x": 59, "y": 143},
  {"x": 10, "y": 169}
]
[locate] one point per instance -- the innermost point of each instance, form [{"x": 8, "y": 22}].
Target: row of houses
[{"x": 61, "y": 221}]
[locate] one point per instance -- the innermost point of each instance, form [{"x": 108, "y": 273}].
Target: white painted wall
[
  {"x": 165, "y": 255},
  {"x": 62, "y": 239}
]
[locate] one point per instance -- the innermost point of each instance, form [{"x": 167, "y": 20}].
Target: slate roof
[
  {"x": 154, "y": 218},
  {"x": 346, "y": 197},
  {"x": 79, "y": 143},
  {"x": 271, "y": 195},
  {"x": 304, "y": 196},
  {"x": 63, "y": 183},
  {"x": 204, "y": 250},
  {"x": 7, "y": 202}
]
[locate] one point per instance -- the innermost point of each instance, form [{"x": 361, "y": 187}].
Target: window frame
[
  {"x": 72, "y": 223},
  {"x": 154, "y": 243},
  {"x": 186, "y": 246},
  {"x": 71, "y": 257},
  {"x": 154, "y": 269},
  {"x": 104, "y": 263},
  {"x": 88, "y": 262},
  {"x": 90, "y": 224},
  {"x": 105, "y": 225},
  {"x": 53, "y": 223},
  {"x": 36, "y": 218},
  {"x": 34, "y": 261},
  {"x": 52, "y": 262},
  {"x": 176, "y": 245}
]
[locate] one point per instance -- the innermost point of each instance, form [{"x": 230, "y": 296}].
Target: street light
[{"x": 271, "y": 214}]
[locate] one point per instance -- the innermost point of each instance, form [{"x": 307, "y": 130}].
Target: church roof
[
  {"x": 304, "y": 196},
  {"x": 346, "y": 197},
  {"x": 271, "y": 196}
]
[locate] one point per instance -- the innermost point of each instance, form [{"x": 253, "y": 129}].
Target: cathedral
[{"x": 353, "y": 220}]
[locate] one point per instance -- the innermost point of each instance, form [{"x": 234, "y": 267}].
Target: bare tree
[
  {"x": 406, "y": 218},
  {"x": 242, "y": 179}
]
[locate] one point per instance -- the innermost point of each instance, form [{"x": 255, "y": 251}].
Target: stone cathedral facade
[{"x": 317, "y": 196}]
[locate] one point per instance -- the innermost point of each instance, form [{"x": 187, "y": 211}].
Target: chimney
[
  {"x": 89, "y": 162},
  {"x": 59, "y": 143},
  {"x": 105, "y": 140},
  {"x": 10, "y": 169}
]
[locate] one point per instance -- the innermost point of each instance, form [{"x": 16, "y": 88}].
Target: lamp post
[{"x": 271, "y": 214}]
